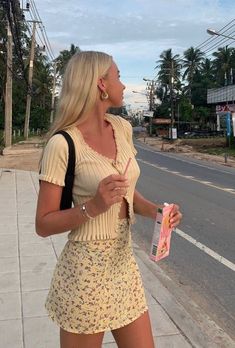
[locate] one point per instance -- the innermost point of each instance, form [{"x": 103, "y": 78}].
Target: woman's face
[{"x": 114, "y": 87}]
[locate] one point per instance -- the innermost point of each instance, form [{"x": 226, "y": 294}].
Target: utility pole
[
  {"x": 172, "y": 99},
  {"x": 53, "y": 94},
  {"x": 151, "y": 85},
  {"x": 8, "y": 97},
  {"x": 30, "y": 79}
]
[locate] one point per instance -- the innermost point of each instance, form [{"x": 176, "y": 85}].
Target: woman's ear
[{"x": 101, "y": 84}]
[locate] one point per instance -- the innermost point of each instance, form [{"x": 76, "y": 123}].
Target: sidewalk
[{"x": 26, "y": 265}]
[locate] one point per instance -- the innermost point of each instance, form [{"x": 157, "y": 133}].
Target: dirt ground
[{"x": 26, "y": 154}]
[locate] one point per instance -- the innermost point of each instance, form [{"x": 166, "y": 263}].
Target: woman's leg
[
  {"x": 72, "y": 340},
  {"x": 136, "y": 334}
]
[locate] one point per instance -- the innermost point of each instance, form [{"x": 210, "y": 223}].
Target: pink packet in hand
[{"x": 160, "y": 247}]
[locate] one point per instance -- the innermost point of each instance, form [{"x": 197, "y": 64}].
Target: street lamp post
[{"x": 214, "y": 32}]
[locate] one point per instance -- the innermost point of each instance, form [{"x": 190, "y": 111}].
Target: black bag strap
[
  {"x": 71, "y": 150},
  {"x": 66, "y": 198}
]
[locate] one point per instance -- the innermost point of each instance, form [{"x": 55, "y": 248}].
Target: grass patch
[{"x": 218, "y": 151}]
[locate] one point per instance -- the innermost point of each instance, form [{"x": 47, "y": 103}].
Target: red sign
[{"x": 225, "y": 108}]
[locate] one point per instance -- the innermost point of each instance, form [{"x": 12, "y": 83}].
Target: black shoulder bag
[{"x": 67, "y": 192}]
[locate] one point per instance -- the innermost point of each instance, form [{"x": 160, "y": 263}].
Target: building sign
[
  {"x": 162, "y": 121},
  {"x": 225, "y": 108}
]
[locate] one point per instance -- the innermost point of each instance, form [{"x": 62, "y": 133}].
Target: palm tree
[
  {"x": 223, "y": 63},
  {"x": 207, "y": 72},
  {"x": 191, "y": 62},
  {"x": 64, "y": 57},
  {"x": 169, "y": 73}
]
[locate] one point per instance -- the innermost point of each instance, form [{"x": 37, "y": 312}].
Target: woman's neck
[{"x": 95, "y": 123}]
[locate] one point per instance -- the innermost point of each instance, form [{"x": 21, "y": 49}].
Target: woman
[{"x": 96, "y": 285}]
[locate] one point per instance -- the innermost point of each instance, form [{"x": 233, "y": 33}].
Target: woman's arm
[
  {"x": 51, "y": 220},
  {"x": 147, "y": 208}
]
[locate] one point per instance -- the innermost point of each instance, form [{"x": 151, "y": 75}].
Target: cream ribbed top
[{"x": 90, "y": 168}]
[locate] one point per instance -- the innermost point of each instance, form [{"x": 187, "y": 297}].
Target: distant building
[{"x": 224, "y": 100}]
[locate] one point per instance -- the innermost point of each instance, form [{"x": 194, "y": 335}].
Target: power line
[
  {"x": 43, "y": 27},
  {"x": 35, "y": 14}
]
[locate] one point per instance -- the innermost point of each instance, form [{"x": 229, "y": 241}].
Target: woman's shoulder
[{"x": 55, "y": 141}]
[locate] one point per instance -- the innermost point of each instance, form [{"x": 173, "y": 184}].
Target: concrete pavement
[{"x": 26, "y": 265}]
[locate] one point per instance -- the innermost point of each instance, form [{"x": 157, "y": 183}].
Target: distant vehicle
[
  {"x": 139, "y": 129},
  {"x": 199, "y": 134}
]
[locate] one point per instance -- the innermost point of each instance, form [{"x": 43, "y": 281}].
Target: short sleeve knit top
[{"x": 90, "y": 168}]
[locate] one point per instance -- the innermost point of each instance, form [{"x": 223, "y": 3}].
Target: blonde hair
[{"x": 79, "y": 91}]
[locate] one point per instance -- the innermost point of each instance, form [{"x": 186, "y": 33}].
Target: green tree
[
  {"x": 169, "y": 66},
  {"x": 207, "y": 71},
  {"x": 192, "y": 62},
  {"x": 64, "y": 57},
  {"x": 223, "y": 63}
]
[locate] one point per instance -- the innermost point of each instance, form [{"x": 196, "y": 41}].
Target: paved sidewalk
[{"x": 26, "y": 265}]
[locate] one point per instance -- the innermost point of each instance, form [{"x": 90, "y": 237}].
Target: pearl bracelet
[{"x": 85, "y": 212}]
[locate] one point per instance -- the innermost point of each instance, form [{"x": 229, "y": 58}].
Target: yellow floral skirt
[{"x": 97, "y": 285}]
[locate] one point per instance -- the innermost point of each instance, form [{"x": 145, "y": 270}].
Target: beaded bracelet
[{"x": 85, "y": 212}]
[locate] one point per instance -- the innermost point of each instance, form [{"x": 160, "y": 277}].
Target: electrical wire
[
  {"x": 41, "y": 36},
  {"x": 36, "y": 15}
]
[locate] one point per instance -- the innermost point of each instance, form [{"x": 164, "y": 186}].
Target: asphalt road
[{"x": 206, "y": 195}]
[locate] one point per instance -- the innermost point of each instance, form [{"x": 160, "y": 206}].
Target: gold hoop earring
[{"x": 104, "y": 96}]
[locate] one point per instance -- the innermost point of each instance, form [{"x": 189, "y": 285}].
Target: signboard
[
  {"x": 173, "y": 133},
  {"x": 147, "y": 113},
  {"x": 162, "y": 121},
  {"x": 233, "y": 122},
  {"x": 225, "y": 108}
]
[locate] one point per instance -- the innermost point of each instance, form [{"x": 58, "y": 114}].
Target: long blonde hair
[{"x": 79, "y": 91}]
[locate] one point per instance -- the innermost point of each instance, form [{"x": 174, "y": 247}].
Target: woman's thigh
[
  {"x": 136, "y": 334},
  {"x": 72, "y": 340}
]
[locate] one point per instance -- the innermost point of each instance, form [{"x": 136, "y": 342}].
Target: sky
[{"x": 134, "y": 32}]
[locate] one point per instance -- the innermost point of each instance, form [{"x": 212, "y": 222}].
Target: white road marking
[
  {"x": 207, "y": 250},
  {"x": 189, "y": 177},
  {"x": 183, "y": 160}
]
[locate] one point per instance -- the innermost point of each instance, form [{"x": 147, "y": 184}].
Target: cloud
[
  {"x": 135, "y": 20},
  {"x": 134, "y": 32}
]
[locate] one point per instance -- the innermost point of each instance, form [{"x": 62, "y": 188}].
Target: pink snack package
[{"x": 160, "y": 247}]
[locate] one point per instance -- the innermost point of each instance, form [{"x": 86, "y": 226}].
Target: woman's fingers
[
  {"x": 111, "y": 190},
  {"x": 175, "y": 216}
]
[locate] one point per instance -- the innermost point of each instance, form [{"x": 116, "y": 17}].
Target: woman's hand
[
  {"x": 111, "y": 190},
  {"x": 175, "y": 216}
]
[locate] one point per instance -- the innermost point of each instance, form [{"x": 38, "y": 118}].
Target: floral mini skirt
[{"x": 97, "y": 285}]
